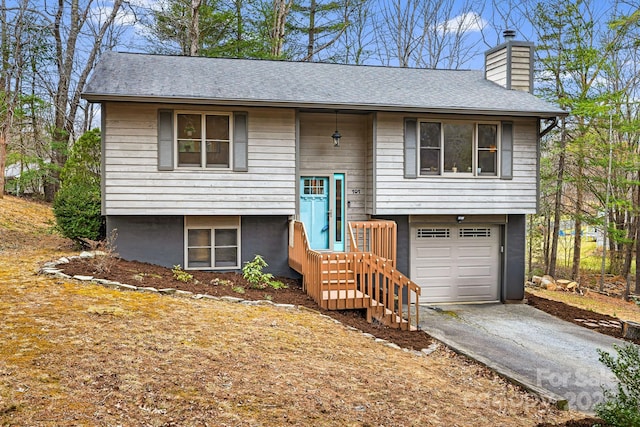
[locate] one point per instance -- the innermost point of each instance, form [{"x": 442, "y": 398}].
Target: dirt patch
[
  {"x": 578, "y": 316},
  {"x": 586, "y": 422},
  {"x": 228, "y": 284}
]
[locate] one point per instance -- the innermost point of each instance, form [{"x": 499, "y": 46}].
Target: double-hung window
[
  {"x": 212, "y": 243},
  {"x": 203, "y": 140},
  {"x": 464, "y": 148}
]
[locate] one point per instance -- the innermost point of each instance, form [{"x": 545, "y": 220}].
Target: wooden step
[
  {"x": 338, "y": 282},
  {"x": 389, "y": 318},
  {"x": 345, "y": 294}
]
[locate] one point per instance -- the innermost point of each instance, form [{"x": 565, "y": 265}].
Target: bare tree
[
  {"x": 72, "y": 24},
  {"x": 356, "y": 45},
  {"x": 428, "y": 33},
  {"x": 194, "y": 27},
  {"x": 281, "y": 9},
  {"x": 13, "y": 61}
]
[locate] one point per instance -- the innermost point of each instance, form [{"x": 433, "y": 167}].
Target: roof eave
[{"x": 97, "y": 98}]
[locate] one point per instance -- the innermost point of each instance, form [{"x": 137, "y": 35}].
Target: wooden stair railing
[
  {"x": 359, "y": 279},
  {"x": 376, "y": 236}
]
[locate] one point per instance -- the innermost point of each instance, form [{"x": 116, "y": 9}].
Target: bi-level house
[{"x": 207, "y": 162}]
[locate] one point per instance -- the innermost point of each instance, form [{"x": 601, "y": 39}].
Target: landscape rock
[
  {"x": 631, "y": 330},
  {"x": 432, "y": 347},
  {"x": 547, "y": 282}
]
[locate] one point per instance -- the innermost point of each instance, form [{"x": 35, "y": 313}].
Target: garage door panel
[
  {"x": 481, "y": 272},
  {"x": 429, "y": 273},
  {"x": 477, "y": 291},
  {"x": 476, "y": 251},
  {"x": 434, "y": 252},
  {"x": 456, "y": 263},
  {"x": 439, "y": 291}
]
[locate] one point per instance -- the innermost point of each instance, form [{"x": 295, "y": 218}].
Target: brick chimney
[{"x": 510, "y": 64}]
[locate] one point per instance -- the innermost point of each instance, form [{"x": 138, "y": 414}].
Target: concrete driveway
[{"x": 553, "y": 358}]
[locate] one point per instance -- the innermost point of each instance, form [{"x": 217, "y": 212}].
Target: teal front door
[
  {"x": 314, "y": 210},
  {"x": 322, "y": 210}
]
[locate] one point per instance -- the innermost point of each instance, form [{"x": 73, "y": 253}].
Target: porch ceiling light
[{"x": 336, "y": 135}]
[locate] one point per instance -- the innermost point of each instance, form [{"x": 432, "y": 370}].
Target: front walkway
[{"x": 555, "y": 358}]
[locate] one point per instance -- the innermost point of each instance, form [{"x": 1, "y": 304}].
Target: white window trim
[
  {"x": 212, "y": 223},
  {"x": 474, "y": 168},
  {"x": 203, "y": 163}
]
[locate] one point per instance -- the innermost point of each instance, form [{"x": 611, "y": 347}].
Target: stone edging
[{"x": 51, "y": 268}]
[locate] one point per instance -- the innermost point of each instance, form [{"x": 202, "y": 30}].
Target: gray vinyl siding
[
  {"x": 511, "y": 66},
  {"x": 430, "y": 195},
  {"x": 318, "y": 156},
  {"x": 135, "y": 186}
]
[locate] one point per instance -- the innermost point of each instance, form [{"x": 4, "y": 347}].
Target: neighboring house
[
  {"x": 31, "y": 185},
  {"x": 207, "y": 160}
]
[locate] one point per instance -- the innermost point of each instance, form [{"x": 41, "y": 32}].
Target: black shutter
[
  {"x": 410, "y": 148},
  {"x": 506, "y": 162},
  {"x": 240, "y": 142},
  {"x": 165, "y": 140}
]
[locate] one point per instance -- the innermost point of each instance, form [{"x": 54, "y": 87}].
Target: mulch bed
[
  {"x": 223, "y": 284},
  {"x": 571, "y": 313}
]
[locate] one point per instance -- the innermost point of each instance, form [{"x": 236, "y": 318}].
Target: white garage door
[{"x": 456, "y": 263}]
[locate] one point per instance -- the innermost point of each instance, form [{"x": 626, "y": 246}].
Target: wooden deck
[{"x": 358, "y": 279}]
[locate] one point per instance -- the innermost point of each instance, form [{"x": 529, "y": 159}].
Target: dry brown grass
[
  {"x": 593, "y": 301},
  {"x": 76, "y": 354}
]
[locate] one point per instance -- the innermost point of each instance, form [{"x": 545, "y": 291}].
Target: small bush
[
  {"x": 77, "y": 204},
  {"x": 252, "y": 272},
  {"x": 180, "y": 274},
  {"x": 622, "y": 409},
  {"x": 77, "y": 211}
]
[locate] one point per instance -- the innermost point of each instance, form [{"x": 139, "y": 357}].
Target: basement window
[{"x": 212, "y": 243}]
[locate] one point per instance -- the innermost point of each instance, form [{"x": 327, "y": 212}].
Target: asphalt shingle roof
[{"x": 129, "y": 76}]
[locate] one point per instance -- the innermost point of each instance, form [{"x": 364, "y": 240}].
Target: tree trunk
[
  {"x": 637, "y": 240},
  {"x": 3, "y": 156},
  {"x": 637, "y": 287},
  {"x": 194, "y": 28},
  {"x": 577, "y": 231},
  {"x": 557, "y": 210},
  {"x": 280, "y": 11},
  {"x": 67, "y": 101},
  {"x": 628, "y": 247},
  {"x": 312, "y": 31}
]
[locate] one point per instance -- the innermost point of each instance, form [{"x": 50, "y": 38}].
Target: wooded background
[{"x": 586, "y": 62}]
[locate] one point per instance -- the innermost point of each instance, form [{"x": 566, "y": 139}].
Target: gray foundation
[
  {"x": 153, "y": 239},
  {"x": 267, "y": 236},
  {"x": 514, "y": 258},
  {"x": 160, "y": 240}
]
